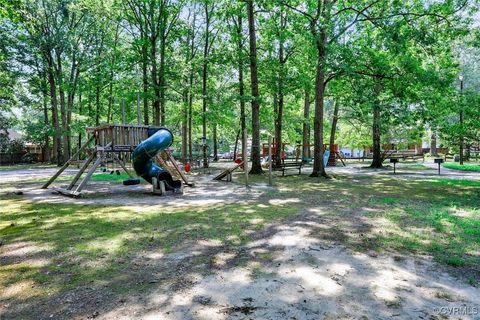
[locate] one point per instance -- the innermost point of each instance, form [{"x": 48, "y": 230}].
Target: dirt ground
[{"x": 295, "y": 269}]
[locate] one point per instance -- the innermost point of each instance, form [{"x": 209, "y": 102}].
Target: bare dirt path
[{"x": 298, "y": 268}]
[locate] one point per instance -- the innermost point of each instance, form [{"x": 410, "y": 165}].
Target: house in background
[{"x": 16, "y": 157}]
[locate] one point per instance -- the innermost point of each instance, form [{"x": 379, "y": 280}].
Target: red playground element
[
  {"x": 334, "y": 153},
  {"x": 187, "y": 167},
  {"x": 238, "y": 160},
  {"x": 274, "y": 150},
  {"x": 332, "y": 160}
]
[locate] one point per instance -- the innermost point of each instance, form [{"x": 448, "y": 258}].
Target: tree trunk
[
  {"x": 376, "y": 130},
  {"x": 73, "y": 81},
  {"x": 46, "y": 147},
  {"x": 110, "y": 98},
  {"x": 185, "y": 116},
  {"x": 97, "y": 104},
  {"x": 156, "y": 87},
  {"x": 280, "y": 95},
  {"x": 241, "y": 85},
  {"x": 63, "y": 111},
  {"x": 433, "y": 144},
  {"x": 57, "y": 143},
  {"x": 185, "y": 125},
  {"x": 278, "y": 122},
  {"x": 162, "y": 81},
  {"x": 190, "y": 88},
  {"x": 190, "y": 116},
  {"x": 333, "y": 157},
  {"x": 462, "y": 138},
  {"x": 204, "y": 112},
  {"x": 215, "y": 143},
  {"x": 334, "y": 122},
  {"x": 145, "y": 80},
  {"x": 235, "y": 149},
  {"x": 318, "y": 166},
  {"x": 306, "y": 125},
  {"x": 204, "y": 85},
  {"x": 79, "y": 112},
  {"x": 256, "y": 165}
]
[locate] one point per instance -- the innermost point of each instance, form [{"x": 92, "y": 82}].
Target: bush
[
  {"x": 16, "y": 146},
  {"x": 30, "y": 158}
]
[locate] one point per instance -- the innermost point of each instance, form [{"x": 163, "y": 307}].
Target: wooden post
[
  {"x": 245, "y": 158},
  {"x": 55, "y": 176},
  {"x": 175, "y": 165},
  {"x": 79, "y": 173},
  {"x": 270, "y": 160},
  {"x": 89, "y": 175},
  {"x": 120, "y": 162}
]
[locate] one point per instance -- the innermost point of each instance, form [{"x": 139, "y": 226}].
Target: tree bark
[
  {"x": 63, "y": 111},
  {"x": 241, "y": 84},
  {"x": 80, "y": 112},
  {"x": 333, "y": 157},
  {"x": 215, "y": 143},
  {"x": 190, "y": 117},
  {"x": 280, "y": 95},
  {"x": 318, "y": 166},
  {"x": 156, "y": 87},
  {"x": 255, "y": 149},
  {"x": 161, "y": 81},
  {"x": 190, "y": 89},
  {"x": 204, "y": 84},
  {"x": 57, "y": 143},
  {"x": 146, "y": 120},
  {"x": 306, "y": 125},
  {"x": 185, "y": 123},
  {"x": 433, "y": 144},
  {"x": 46, "y": 147},
  {"x": 376, "y": 129},
  {"x": 97, "y": 104},
  {"x": 235, "y": 149},
  {"x": 110, "y": 85},
  {"x": 72, "y": 88},
  {"x": 185, "y": 98}
]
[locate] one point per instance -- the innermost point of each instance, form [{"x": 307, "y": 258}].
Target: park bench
[
  {"x": 404, "y": 155},
  {"x": 289, "y": 165}
]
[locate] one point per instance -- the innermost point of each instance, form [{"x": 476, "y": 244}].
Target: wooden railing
[{"x": 119, "y": 137}]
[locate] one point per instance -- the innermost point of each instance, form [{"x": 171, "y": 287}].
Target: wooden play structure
[
  {"x": 107, "y": 142},
  {"x": 334, "y": 153},
  {"x": 228, "y": 172},
  {"x": 165, "y": 160},
  {"x": 273, "y": 146}
]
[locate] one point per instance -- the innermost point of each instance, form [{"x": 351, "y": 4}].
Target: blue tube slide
[
  {"x": 144, "y": 154},
  {"x": 326, "y": 155}
]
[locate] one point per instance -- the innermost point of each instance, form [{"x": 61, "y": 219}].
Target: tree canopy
[{"x": 361, "y": 73}]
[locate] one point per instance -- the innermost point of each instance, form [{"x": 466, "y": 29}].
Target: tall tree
[{"x": 256, "y": 164}]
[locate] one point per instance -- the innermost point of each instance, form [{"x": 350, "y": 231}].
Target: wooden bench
[
  {"x": 405, "y": 156},
  {"x": 287, "y": 165}
]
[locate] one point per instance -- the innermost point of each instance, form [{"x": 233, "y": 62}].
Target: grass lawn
[
  {"x": 466, "y": 167},
  {"x": 75, "y": 245},
  {"x": 106, "y": 176},
  {"x": 414, "y": 166}
]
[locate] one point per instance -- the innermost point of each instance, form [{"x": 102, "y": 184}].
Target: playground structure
[
  {"x": 274, "y": 147},
  {"x": 119, "y": 141},
  {"x": 228, "y": 172},
  {"x": 334, "y": 153}
]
